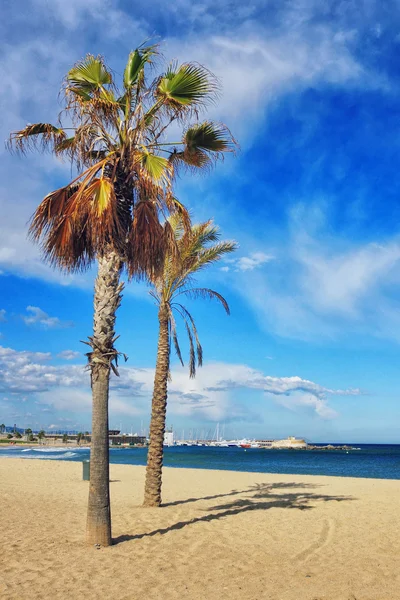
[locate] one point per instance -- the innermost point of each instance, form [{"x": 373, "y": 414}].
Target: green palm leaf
[
  {"x": 204, "y": 143},
  {"x": 208, "y": 136},
  {"x": 136, "y": 63},
  {"x": 157, "y": 168},
  {"x": 89, "y": 75},
  {"x": 186, "y": 86}
]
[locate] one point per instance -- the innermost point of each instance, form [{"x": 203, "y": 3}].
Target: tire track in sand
[{"x": 324, "y": 539}]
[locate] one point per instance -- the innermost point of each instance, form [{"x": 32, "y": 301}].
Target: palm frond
[
  {"x": 157, "y": 168},
  {"x": 136, "y": 63},
  {"x": 203, "y": 144},
  {"x": 50, "y": 210},
  {"x": 64, "y": 243},
  {"x": 186, "y": 86},
  {"x": 175, "y": 338},
  {"x": 146, "y": 246},
  {"x": 44, "y": 136},
  {"x": 208, "y": 256},
  {"x": 192, "y": 354},
  {"x": 88, "y": 75},
  {"x": 66, "y": 145},
  {"x": 205, "y": 293},
  {"x": 75, "y": 223},
  {"x": 179, "y": 213},
  {"x": 199, "y": 348},
  {"x": 199, "y": 235}
]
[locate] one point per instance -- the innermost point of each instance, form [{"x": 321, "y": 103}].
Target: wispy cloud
[
  {"x": 2, "y": 315},
  {"x": 69, "y": 354},
  {"x": 37, "y": 317},
  {"x": 331, "y": 285},
  {"x": 248, "y": 263}
]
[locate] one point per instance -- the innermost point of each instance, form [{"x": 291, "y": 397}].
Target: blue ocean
[{"x": 371, "y": 461}]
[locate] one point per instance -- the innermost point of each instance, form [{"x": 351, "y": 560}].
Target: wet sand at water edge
[{"x": 220, "y": 535}]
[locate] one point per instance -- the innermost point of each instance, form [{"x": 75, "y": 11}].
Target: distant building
[
  {"x": 169, "y": 438},
  {"x": 290, "y": 442},
  {"x": 129, "y": 440},
  {"x": 265, "y": 443}
]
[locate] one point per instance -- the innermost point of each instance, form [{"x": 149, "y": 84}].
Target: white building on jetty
[{"x": 290, "y": 442}]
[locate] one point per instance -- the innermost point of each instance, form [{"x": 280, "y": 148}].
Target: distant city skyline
[{"x": 311, "y": 349}]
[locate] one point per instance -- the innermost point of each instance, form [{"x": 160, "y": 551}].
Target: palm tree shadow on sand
[{"x": 261, "y": 496}]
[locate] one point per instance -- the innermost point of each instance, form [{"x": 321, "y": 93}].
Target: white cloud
[
  {"x": 210, "y": 396},
  {"x": 2, "y": 315},
  {"x": 69, "y": 354},
  {"x": 247, "y": 263},
  {"x": 298, "y": 402},
  {"x": 38, "y": 317},
  {"x": 330, "y": 286},
  {"x": 256, "y": 259},
  {"x": 10, "y": 357},
  {"x": 340, "y": 282},
  {"x": 256, "y": 65}
]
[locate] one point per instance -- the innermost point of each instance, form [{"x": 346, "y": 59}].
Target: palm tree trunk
[
  {"x": 107, "y": 298},
  {"x": 152, "y": 492}
]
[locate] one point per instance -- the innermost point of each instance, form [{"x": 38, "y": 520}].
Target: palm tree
[
  {"x": 116, "y": 140},
  {"x": 196, "y": 249}
]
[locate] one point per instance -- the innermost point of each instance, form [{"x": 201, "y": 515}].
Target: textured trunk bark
[
  {"x": 107, "y": 298},
  {"x": 152, "y": 492}
]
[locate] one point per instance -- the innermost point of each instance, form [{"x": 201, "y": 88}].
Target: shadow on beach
[{"x": 262, "y": 496}]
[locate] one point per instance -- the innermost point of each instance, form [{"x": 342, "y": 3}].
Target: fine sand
[{"x": 220, "y": 535}]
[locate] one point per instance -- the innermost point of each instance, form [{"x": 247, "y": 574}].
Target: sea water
[{"x": 372, "y": 461}]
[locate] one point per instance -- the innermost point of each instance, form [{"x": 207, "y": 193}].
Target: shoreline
[{"x": 207, "y": 470}]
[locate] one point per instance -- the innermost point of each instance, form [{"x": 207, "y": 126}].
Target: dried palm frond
[
  {"x": 42, "y": 136},
  {"x": 146, "y": 247}
]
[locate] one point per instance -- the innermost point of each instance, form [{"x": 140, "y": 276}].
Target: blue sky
[{"x": 310, "y": 91}]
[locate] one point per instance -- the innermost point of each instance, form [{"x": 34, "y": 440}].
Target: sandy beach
[{"x": 221, "y": 535}]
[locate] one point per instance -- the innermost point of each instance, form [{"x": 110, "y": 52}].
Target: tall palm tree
[
  {"x": 196, "y": 249},
  {"x": 116, "y": 140}
]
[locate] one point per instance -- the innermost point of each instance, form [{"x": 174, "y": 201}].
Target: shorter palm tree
[{"x": 194, "y": 249}]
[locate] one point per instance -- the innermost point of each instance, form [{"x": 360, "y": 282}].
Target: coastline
[
  {"x": 221, "y": 534},
  {"x": 369, "y": 462}
]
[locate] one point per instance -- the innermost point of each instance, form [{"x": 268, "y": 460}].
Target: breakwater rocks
[{"x": 329, "y": 447}]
